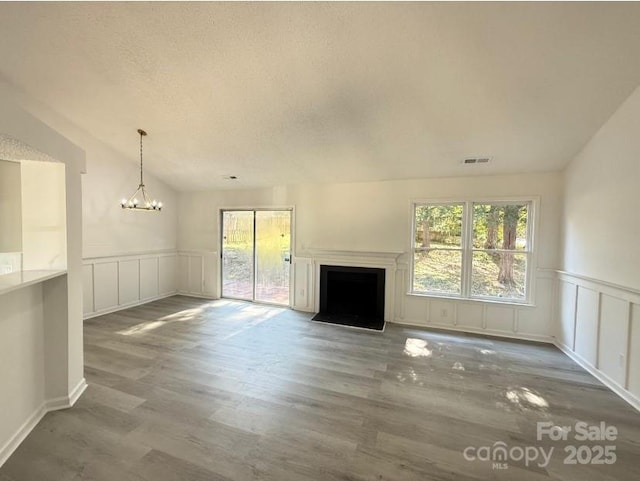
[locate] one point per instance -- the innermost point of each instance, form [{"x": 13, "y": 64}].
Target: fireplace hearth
[{"x": 352, "y": 296}]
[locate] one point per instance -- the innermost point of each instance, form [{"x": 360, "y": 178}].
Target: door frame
[{"x": 291, "y": 209}]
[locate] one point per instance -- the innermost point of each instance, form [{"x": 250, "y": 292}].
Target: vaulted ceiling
[{"x": 281, "y": 93}]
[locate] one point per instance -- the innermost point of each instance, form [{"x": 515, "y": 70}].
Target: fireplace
[{"x": 352, "y": 296}]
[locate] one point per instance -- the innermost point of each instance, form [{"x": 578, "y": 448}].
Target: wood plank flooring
[{"x": 185, "y": 390}]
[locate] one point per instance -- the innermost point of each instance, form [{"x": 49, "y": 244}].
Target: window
[{"x": 472, "y": 249}]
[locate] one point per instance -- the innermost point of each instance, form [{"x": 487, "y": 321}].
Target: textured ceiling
[
  {"x": 14, "y": 150},
  {"x": 279, "y": 93}
]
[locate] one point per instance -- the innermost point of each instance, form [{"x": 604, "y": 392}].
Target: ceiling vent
[{"x": 476, "y": 160}]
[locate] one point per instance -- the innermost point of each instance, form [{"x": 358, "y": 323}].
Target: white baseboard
[
  {"x": 196, "y": 295},
  {"x": 481, "y": 332},
  {"x": 304, "y": 309},
  {"x": 47, "y": 406},
  {"x": 65, "y": 402},
  {"x": 600, "y": 376},
  {"x": 127, "y": 306},
  {"x": 23, "y": 431}
]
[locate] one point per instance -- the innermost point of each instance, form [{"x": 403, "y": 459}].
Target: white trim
[
  {"x": 21, "y": 433},
  {"x": 622, "y": 292},
  {"x": 366, "y": 256},
  {"x": 121, "y": 307},
  {"x": 151, "y": 256},
  {"x": 600, "y": 376},
  {"x": 128, "y": 255},
  {"x": 32, "y": 421},
  {"x": 481, "y": 332},
  {"x": 601, "y": 288},
  {"x": 466, "y": 246},
  {"x": 487, "y": 300},
  {"x": 201, "y": 296},
  {"x": 77, "y": 391},
  {"x": 380, "y": 260},
  {"x": 65, "y": 402},
  {"x": 292, "y": 245}
]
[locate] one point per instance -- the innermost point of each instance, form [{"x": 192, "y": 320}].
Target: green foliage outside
[
  {"x": 273, "y": 240},
  {"x": 438, "y": 230}
]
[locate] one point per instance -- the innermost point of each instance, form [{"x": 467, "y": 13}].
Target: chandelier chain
[
  {"x": 141, "y": 179},
  {"x": 141, "y": 200}
]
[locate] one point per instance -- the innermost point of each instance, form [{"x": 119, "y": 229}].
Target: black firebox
[{"x": 352, "y": 296}]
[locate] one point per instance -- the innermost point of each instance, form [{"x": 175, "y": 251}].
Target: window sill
[{"x": 506, "y": 302}]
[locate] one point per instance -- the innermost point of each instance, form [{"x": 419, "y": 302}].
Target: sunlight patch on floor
[
  {"x": 417, "y": 348},
  {"x": 523, "y": 396}
]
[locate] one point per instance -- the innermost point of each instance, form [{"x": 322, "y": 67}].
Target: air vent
[{"x": 476, "y": 160}]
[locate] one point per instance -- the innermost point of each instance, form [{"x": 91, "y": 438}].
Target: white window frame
[{"x": 468, "y": 249}]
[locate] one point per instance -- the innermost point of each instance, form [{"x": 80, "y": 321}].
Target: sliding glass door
[{"x": 256, "y": 255}]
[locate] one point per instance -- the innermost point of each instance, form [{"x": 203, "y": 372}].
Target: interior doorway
[{"x": 256, "y": 255}]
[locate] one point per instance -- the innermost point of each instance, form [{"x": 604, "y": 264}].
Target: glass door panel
[
  {"x": 238, "y": 254},
  {"x": 273, "y": 256}
]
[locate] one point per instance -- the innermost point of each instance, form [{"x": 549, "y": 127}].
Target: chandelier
[{"x": 140, "y": 200}]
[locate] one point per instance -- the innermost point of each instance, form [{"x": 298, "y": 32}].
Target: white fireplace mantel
[
  {"x": 316, "y": 257},
  {"x": 376, "y": 259}
]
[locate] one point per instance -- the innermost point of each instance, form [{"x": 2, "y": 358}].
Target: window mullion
[{"x": 467, "y": 245}]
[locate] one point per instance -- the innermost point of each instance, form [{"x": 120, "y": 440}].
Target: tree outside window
[{"x": 481, "y": 255}]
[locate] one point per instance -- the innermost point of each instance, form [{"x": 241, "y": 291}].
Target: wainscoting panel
[
  {"x": 587, "y": 311},
  {"x": 149, "y": 278},
  {"x": 501, "y": 319},
  {"x": 442, "y": 312},
  {"x": 413, "y": 307},
  {"x": 183, "y": 273},
  {"x": 302, "y": 284},
  {"x": 196, "y": 278},
  {"x": 607, "y": 331},
  {"x": 105, "y": 285},
  {"x": 87, "y": 289},
  {"x": 566, "y": 329},
  {"x": 633, "y": 372},
  {"x": 531, "y": 322},
  {"x": 167, "y": 274},
  {"x": 536, "y": 322},
  {"x": 128, "y": 281},
  {"x": 613, "y": 338},
  {"x": 199, "y": 274},
  {"x": 116, "y": 282},
  {"x": 470, "y": 315}
]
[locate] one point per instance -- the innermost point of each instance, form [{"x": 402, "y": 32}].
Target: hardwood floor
[{"x": 188, "y": 389}]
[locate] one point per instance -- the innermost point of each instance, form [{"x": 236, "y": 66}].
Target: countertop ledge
[{"x": 18, "y": 280}]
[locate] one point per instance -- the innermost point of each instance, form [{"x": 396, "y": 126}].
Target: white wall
[
  {"x": 598, "y": 308},
  {"x": 109, "y": 176},
  {"x": 368, "y": 216},
  {"x": 110, "y": 230},
  {"x": 110, "y": 233},
  {"x": 21, "y": 359},
  {"x": 10, "y": 207},
  {"x": 601, "y": 221},
  {"x": 44, "y": 219},
  {"x": 129, "y": 256},
  {"x": 46, "y": 320},
  {"x": 376, "y": 216}
]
